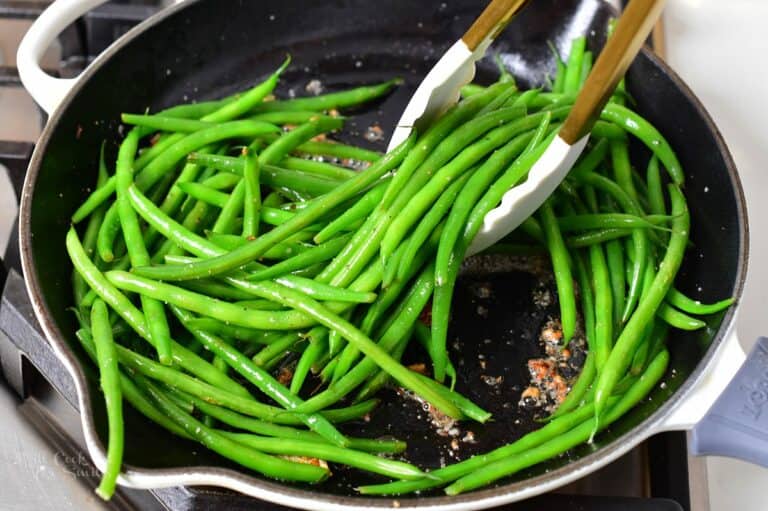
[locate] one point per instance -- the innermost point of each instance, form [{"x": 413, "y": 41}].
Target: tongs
[{"x": 440, "y": 89}]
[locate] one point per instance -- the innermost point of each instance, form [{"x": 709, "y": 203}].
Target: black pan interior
[{"x": 212, "y": 48}]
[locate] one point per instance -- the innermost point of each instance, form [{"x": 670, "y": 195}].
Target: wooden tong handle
[
  {"x": 620, "y": 50},
  {"x": 492, "y": 21}
]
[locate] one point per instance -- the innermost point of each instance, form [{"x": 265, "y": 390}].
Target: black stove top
[{"x": 653, "y": 476}]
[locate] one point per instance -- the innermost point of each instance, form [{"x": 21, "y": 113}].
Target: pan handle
[
  {"x": 727, "y": 410},
  {"x": 47, "y": 90}
]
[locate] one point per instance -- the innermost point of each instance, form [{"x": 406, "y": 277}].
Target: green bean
[
  {"x": 608, "y": 221},
  {"x": 691, "y": 306},
  {"x": 94, "y": 200},
  {"x": 358, "y": 211},
  {"x": 639, "y": 239},
  {"x": 276, "y": 348},
  {"x": 175, "y": 150},
  {"x": 195, "y": 110},
  {"x": 559, "y": 80},
  {"x": 445, "y": 282},
  {"x": 166, "y": 123},
  {"x": 215, "y": 288},
  {"x": 79, "y": 286},
  {"x": 226, "y": 222},
  {"x": 212, "y": 307},
  {"x": 443, "y": 128},
  {"x": 215, "y": 395},
  {"x": 298, "y": 137},
  {"x": 261, "y": 304},
  {"x": 429, "y": 222},
  {"x": 678, "y": 319},
  {"x": 511, "y": 464},
  {"x": 244, "y": 334},
  {"x": 573, "y": 68},
  {"x": 376, "y": 312},
  {"x": 627, "y": 341},
  {"x": 302, "y": 219},
  {"x": 131, "y": 392},
  {"x": 590, "y": 160},
  {"x": 318, "y": 254},
  {"x": 252, "y": 205},
  {"x": 308, "y": 358},
  {"x": 655, "y": 188},
  {"x": 309, "y": 287},
  {"x": 338, "y": 150},
  {"x": 603, "y": 306},
  {"x": 562, "y": 269},
  {"x": 108, "y": 232},
  {"x": 639, "y": 127},
  {"x": 205, "y": 193},
  {"x": 360, "y": 460},
  {"x": 133, "y": 316},
  {"x": 329, "y": 101},
  {"x": 290, "y": 117},
  {"x": 471, "y": 89},
  {"x": 335, "y": 341},
  {"x": 248, "y": 457},
  {"x": 475, "y": 187},
  {"x": 249, "y": 100},
  {"x": 374, "y": 384},
  {"x": 274, "y": 430},
  {"x": 153, "y": 310},
  {"x": 158, "y": 146},
  {"x": 417, "y": 298},
  {"x": 318, "y": 168},
  {"x": 113, "y": 396},
  {"x": 578, "y": 391},
  {"x": 622, "y": 169},
  {"x": 371, "y": 349},
  {"x": 260, "y": 378},
  {"x": 598, "y": 236},
  {"x": 586, "y": 67}
]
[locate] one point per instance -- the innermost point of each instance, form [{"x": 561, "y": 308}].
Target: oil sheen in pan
[{"x": 502, "y": 308}]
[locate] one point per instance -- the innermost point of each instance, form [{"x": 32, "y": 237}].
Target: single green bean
[
  {"x": 318, "y": 168},
  {"x": 205, "y": 193},
  {"x": 329, "y": 101},
  {"x": 110, "y": 385},
  {"x": 603, "y": 306},
  {"x": 678, "y": 319},
  {"x": 573, "y": 68},
  {"x": 562, "y": 268},
  {"x": 249, "y": 100},
  {"x": 691, "y": 306}
]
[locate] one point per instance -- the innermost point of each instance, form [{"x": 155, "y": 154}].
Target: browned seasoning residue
[
  {"x": 285, "y": 375},
  {"x": 552, "y": 374}
]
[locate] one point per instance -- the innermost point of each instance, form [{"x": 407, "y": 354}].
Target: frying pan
[{"x": 201, "y": 49}]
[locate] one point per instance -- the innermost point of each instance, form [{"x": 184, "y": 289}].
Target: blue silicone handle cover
[{"x": 737, "y": 424}]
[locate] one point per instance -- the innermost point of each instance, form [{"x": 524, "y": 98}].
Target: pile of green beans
[{"x": 236, "y": 240}]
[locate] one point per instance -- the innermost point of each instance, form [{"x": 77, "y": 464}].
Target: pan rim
[{"x": 307, "y": 498}]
